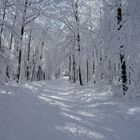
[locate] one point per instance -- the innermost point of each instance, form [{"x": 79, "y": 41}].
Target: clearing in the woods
[{"x": 59, "y": 110}]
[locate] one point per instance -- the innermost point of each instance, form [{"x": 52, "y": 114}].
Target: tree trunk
[
  {"x": 87, "y": 71},
  {"x": 123, "y": 72},
  {"x": 28, "y": 57},
  {"x": 3, "y": 18},
  {"x": 122, "y": 55},
  {"x": 70, "y": 61},
  {"x": 74, "y": 68},
  {"x": 11, "y": 37},
  {"x": 22, "y": 33},
  {"x": 78, "y": 41}
]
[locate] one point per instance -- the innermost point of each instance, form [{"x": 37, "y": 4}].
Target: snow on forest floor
[{"x": 58, "y": 110}]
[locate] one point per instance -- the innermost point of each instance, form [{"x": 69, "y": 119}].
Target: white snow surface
[{"x": 58, "y": 110}]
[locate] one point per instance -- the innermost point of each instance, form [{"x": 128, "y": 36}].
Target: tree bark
[
  {"x": 22, "y": 33},
  {"x": 78, "y": 41},
  {"x": 3, "y": 18},
  {"x": 122, "y": 55}
]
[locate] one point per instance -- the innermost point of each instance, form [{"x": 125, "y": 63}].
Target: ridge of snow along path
[{"x": 58, "y": 110}]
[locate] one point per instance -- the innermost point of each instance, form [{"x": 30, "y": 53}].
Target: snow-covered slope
[{"x": 58, "y": 110}]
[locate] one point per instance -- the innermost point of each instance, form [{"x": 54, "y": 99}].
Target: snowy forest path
[{"x": 58, "y": 110}]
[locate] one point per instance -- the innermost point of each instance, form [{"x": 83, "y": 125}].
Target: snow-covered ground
[{"x": 58, "y": 110}]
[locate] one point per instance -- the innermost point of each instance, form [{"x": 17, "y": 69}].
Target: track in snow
[{"x": 58, "y": 110}]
